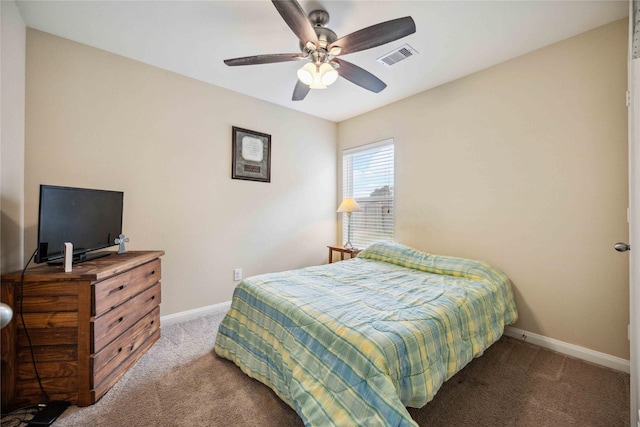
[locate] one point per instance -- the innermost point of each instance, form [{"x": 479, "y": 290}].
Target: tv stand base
[{"x": 82, "y": 258}]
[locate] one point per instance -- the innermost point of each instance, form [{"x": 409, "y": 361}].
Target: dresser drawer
[
  {"x": 112, "y": 324},
  {"x": 98, "y": 391},
  {"x": 114, "y": 291},
  {"x": 120, "y": 349}
]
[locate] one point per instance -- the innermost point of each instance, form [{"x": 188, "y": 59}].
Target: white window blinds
[{"x": 367, "y": 176}]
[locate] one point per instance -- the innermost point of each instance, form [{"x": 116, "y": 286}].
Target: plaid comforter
[{"x": 355, "y": 342}]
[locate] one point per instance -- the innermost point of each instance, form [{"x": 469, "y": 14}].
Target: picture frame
[{"x": 251, "y": 155}]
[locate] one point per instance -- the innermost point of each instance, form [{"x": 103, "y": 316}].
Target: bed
[{"x": 356, "y": 342}]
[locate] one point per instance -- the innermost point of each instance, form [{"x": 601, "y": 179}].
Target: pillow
[{"x": 405, "y": 256}]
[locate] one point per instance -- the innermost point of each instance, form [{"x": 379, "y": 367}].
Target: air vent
[{"x": 400, "y": 54}]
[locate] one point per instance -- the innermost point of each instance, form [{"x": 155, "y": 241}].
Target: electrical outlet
[{"x": 237, "y": 274}]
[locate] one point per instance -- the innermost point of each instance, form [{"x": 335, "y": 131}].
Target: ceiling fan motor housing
[
  {"x": 326, "y": 36},
  {"x": 319, "y": 18}
]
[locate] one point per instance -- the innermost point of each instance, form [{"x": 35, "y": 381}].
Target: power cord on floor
[
  {"x": 26, "y": 331},
  {"x": 19, "y": 416}
]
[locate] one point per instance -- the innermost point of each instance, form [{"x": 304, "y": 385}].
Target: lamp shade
[{"x": 348, "y": 205}]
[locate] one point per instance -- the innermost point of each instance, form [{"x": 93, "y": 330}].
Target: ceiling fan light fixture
[
  {"x": 306, "y": 73},
  {"x": 328, "y": 75},
  {"x": 317, "y": 76},
  {"x": 317, "y": 82}
]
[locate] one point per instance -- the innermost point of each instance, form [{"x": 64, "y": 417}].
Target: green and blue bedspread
[{"x": 353, "y": 343}]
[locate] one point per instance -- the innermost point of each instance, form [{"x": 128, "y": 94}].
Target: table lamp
[{"x": 348, "y": 205}]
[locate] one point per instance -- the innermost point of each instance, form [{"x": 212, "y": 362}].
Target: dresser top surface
[{"x": 96, "y": 269}]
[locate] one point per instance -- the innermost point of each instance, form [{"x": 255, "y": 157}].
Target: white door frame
[
  {"x": 634, "y": 253},
  {"x": 633, "y": 97}
]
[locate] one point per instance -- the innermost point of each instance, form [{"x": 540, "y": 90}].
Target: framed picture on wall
[{"x": 251, "y": 155}]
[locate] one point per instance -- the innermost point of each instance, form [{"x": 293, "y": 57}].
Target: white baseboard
[
  {"x": 183, "y": 316},
  {"x": 583, "y": 353}
]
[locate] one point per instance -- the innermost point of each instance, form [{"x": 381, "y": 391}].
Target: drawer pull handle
[
  {"x": 118, "y": 289},
  {"x": 120, "y": 350},
  {"x": 152, "y": 273},
  {"x": 116, "y": 322}
]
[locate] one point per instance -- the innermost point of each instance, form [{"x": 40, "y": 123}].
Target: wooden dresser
[{"x": 86, "y": 327}]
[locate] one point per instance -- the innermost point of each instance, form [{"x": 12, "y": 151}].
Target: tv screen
[{"x": 89, "y": 219}]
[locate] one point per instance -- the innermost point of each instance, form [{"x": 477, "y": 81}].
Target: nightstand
[{"x": 352, "y": 252}]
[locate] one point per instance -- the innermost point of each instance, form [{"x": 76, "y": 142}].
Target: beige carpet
[{"x": 181, "y": 382}]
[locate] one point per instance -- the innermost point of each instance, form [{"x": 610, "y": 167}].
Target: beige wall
[
  {"x": 12, "y": 87},
  {"x": 98, "y": 120},
  {"x": 524, "y": 165}
]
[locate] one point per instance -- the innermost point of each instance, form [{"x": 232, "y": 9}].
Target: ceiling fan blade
[
  {"x": 375, "y": 35},
  {"x": 297, "y": 20},
  {"x": 300, "y": 91},
  {"x": 359, "y": 76},
  {"x": 264, "y": 59}
]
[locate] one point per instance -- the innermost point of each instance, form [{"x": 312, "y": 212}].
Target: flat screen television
[{"x": 89, "y": 219}]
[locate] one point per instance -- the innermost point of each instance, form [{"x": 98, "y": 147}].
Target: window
[{"x": 367, "y": 176}]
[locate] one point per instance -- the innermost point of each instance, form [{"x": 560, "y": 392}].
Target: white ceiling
[{"x": 192, "y": 38}]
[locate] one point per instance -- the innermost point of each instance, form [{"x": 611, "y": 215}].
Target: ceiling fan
[{"x": 320, "y": 47}]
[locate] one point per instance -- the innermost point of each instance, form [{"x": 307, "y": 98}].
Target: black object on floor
[{"x": 47, "y": 415}]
